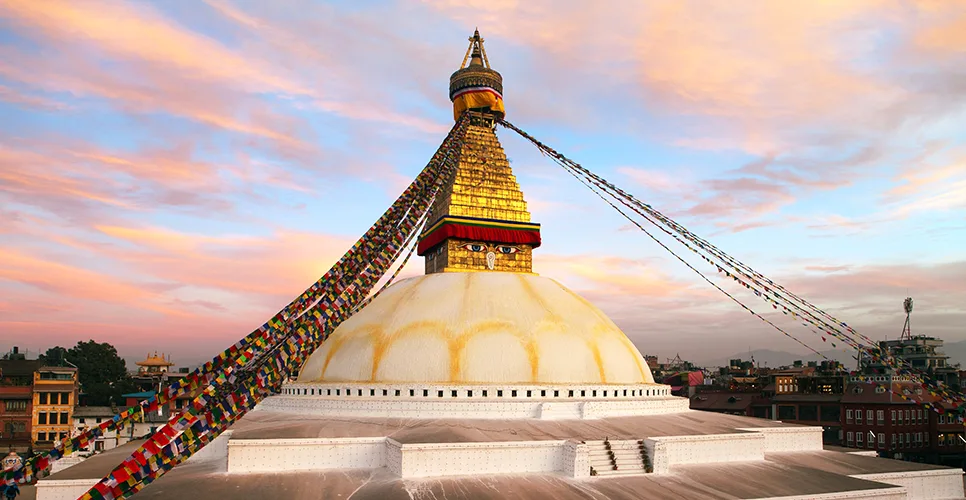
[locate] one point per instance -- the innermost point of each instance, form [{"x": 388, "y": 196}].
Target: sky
[{"x": 173, "y": 173}]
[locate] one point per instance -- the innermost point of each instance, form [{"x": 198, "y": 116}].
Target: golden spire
[
  {"x": 480, "y": 220},
  {"x": 476, "y": 86}
]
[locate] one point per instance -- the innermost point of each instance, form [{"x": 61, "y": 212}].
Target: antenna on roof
[{"x": 907, "y": 327}]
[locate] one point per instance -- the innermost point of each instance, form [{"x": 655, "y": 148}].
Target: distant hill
[
  {"x": 767, "y": 357},
  {"x": 773, "y": 359},
  {"x": 956, "y": 352}
]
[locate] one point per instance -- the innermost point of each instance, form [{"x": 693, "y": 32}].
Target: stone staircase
[{"x": 618, "y": 458}]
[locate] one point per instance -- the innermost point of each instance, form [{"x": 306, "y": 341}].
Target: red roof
[
  {"x": 878, "y": 393},
  {"x": 726, "y": 401}
]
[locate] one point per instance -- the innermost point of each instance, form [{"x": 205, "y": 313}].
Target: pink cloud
[
  {"x": 10, "y": 95},
  {"x": 138, "y": 32}
]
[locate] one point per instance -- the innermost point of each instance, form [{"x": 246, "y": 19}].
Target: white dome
[{"x": 480, "y": 328}]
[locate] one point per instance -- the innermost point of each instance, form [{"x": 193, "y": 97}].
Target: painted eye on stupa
[
  {"x": 506, "y": 249},
  {"x": 475, "y": 247}
]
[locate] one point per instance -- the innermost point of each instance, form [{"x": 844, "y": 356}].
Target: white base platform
[
  {"x": 481, "y": 401},
  {"x": 689, "y": 454}
]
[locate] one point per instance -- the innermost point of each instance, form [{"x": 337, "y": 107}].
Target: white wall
[
  {"x": 275, "y": 455},
  {"x": 932, "y": 484}
]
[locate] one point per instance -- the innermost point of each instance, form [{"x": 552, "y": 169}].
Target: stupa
[{"x": 481, "y": 379}]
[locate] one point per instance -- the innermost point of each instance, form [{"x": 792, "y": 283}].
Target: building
[
  {"x": 16, "y": 403},
  {"x": 923, "y": 353},
  {"x": 86, "y": 417},
  {"x": 481, "y": 379},
  {"x": 54, "y": 396},
  {"x": 154, "y": 372},
  {"x": 876, "y": 418},
  {"x": 730, "y": 403}
]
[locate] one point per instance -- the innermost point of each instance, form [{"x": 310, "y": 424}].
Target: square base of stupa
[{"x": 691, "y": 454}]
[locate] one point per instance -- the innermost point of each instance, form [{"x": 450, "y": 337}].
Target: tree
[
  {"x": 101, "y": 372},
  {"x": 55, "y": 356}
]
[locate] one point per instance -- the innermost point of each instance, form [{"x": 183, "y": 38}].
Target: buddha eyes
[{"x": 503, "y": 249}]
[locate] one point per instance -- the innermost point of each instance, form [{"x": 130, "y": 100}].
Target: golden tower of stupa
[{"x": 480, "y": 221}]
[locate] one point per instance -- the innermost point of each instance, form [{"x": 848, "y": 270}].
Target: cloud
[
  {"x": 135, "y": 31},
  {"x": 12, "y": 96},
  {"x": 62, "y": 280},
  {"x": 609, "y": 276}
]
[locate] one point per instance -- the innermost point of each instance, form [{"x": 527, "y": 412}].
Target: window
[
  {"x": 556, "y": 394},
  {"x": 909, "y": 439},
  {"x": 919, "y": 416},
  {"x": 902, "y": 440},
  {"x": 41, "y": 436},
  {"x": 942, "y": 419},
  {"x": 453, "y": 393},
  {"x": 850, "y": 437},
  {"x": 42, "y": 418},
  {"x": 469, "y": 394},
  {"x": 858, "y": 416},
  {"x": 848, "y": 416},
  {"x": 900, "y": 417},
  {"x": 499, "y": 393},
  {"x": 484, "y": 393},
  {"x": 893, "y": 413},
  {"x": 439, "y": 394},
  {"x": 65, "y": 398},
  {"x": 43, "y": 398},
  {"x": 868, "y": 416},
  {"x": 859, "y": 438},
  {"x": 570, "y": 394},
  {"x": 64, "y": 418},
  {"x": 412, "y": 392},
  {"x": 830, "y": 413},
  {"x": 882, "y": 440},
  {"x": 16, "y": 405},
  {"x": 909, "y": 420},
  {"x": 425, "y": 393},
  {"x": 893, "y": 440},
  {"x": 543, "y": 393},
  {"x": 81, "y": 420},
  {"x": 880, "y": 417},
  {"x": 528, "y": 394},
  {"x": 513, "y": 393}
]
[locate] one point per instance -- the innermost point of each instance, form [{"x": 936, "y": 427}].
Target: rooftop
[{"x": 94, "y": 411}]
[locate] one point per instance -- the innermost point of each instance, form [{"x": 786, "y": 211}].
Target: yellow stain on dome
[
  {"x": 478, "y": 328},
  {"x": 428, "y": 328},
  {"x": 595, "y": 350},
  {"x": 631, "y": 348}
]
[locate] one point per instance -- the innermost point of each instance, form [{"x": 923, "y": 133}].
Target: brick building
[
  {"x": 54, "y": 396},
  {"x": 874, "y": 418},
  {"x": 16, "y": 403}
]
